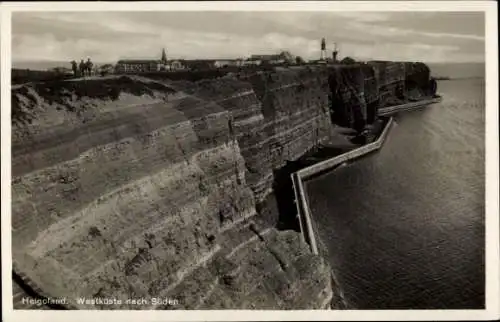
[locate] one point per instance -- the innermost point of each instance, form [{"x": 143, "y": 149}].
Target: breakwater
[
  {"x": 302, "y": 202},
  {"x": 132, "y": 187},
  {"x": 408, "y": 106}
]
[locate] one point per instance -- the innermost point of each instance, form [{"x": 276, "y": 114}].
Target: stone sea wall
[{"x": 128, "y": 187}]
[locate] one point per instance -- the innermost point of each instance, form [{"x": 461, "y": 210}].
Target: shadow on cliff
[{"x": 285, "y": 197}]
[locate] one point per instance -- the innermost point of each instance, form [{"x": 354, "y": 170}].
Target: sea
[{"x": 404, "y": 227}]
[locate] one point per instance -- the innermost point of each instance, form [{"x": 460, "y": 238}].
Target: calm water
[{"x": 404, "y": 227}]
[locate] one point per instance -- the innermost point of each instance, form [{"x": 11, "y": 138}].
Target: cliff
[{"x": 128, "y": 187}]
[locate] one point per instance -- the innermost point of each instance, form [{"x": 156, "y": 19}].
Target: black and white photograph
[{"x": 331, "y": 160}]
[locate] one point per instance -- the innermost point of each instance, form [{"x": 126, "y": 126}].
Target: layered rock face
[
  {"x": 276, "y": 117},
  {"x": 139, "y": 191},
  {"x": 391, "y": 78},
  {"x": 133, "y": 188},
  {"x": 359, "y": 89},
  {"x": 349, "y": 106},
  {"x": 418, "y": 80}
]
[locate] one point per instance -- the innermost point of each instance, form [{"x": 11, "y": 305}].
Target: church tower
[{"x": 163, "y": 56}]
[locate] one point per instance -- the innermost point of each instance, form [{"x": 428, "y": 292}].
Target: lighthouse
[{"x": 323, "y": 49}]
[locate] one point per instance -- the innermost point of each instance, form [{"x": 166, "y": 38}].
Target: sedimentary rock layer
[
  {"x": 275, "y": 117},
  {"x": 128, "y": 187},
  {"x": 359, "y": 89},
  {"x": 144, "y": 195}
]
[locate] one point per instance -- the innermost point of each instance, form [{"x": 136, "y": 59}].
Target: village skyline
[
  {"x": 159, "y": 56},
  {"x": 173, "y": 63}
]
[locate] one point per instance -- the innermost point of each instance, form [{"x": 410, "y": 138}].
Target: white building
[
  {"x": 175, "y": 65},
  {"x": 252, "y": 62},
  {"x": 228, "y": 62}
]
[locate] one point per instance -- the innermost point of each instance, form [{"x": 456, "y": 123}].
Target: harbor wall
[{"x": 300, "y": 177}]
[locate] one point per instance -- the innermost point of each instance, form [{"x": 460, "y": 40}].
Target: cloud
[
  {"x": 364, "y": 16},
  {"x": 458, "y": 23},
  {"x": 108, "y": 36}
]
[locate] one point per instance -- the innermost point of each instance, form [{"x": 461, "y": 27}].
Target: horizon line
[{"x": 236, "y": 58}]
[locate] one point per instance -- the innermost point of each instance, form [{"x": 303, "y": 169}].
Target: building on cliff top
[
  {"x": 219, "y": 63},
  {"x": 137, "y": 65},
  {"x": 148, "y": 65},
  {"x": 153, "y": 65},
  {"x": 283, "y": 57}
]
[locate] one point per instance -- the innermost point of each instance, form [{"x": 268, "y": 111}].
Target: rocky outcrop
[
  {"x": 360, "y": 89},
  {"x": 275, "y": 117},
  {"x": 418, "y": 81},
  {"x": 143, "y": 194},
  {"x": 134, "y": 188}
]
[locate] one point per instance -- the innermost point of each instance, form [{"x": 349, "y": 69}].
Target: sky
[{"x": 109, "y": 36}]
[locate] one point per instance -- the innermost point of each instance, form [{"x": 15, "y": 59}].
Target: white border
[{"x": 492, "y": 164}]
